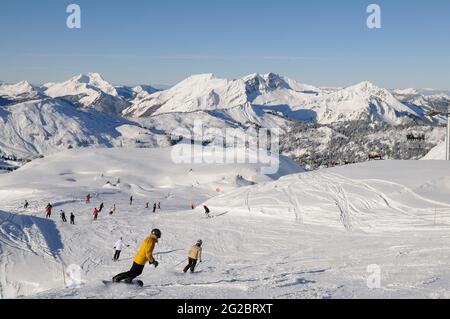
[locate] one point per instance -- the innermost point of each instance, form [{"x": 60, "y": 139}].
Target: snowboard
[{"x": 137, "y": 282}]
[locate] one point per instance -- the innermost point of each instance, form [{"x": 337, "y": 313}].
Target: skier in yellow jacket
[
  {"x": 144, "y": 255},
  {"x": 195, "y": 254}
]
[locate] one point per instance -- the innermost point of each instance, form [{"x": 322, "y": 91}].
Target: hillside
[
  {"x": 276, "y": 239},
  {"x": 35, "y": 250}
]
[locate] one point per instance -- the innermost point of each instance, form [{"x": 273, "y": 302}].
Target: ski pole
[{"x": 179, "y": 263}]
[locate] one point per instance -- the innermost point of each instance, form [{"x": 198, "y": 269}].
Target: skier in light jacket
[
  {"x": 118, "y": 246},
  {"x": 195, "y": 254}
]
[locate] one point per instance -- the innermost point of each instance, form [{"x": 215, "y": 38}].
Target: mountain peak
[
  {"x": 21, "y": 88},
  {"x": 81, "y": 84},
  {"x": 88, "y": 78},
  {"x": 366, "y": 86}
]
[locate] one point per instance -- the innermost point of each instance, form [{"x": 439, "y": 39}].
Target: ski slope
[
  {"x": 437, "y": 153},
  {"x": 35, "y": 251},
  {"x": 293, "y": 235}
]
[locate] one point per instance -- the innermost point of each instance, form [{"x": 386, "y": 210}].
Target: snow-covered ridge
[
  {"x": 19, "y": 91},
  {"x": 89, "y": 90},
  {"x": 44, "y": 126},
  {"x": 294, "y": 100},
  {"x": 206, "y": 92},
  {"x": 363, "y": 99},
  {"x": 80, "y": 84}
]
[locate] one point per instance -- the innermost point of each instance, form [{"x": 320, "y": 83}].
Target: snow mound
[{"x": 30, "y": 255}]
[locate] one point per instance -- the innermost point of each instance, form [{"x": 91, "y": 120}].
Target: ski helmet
[
  {"x": 156, "y": 232},
  {"x": 200, "y": 242}
]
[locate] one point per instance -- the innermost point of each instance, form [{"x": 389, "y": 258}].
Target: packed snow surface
[
  {"x": 35, "y": 251},
  {"x": 290, "y": 235}
]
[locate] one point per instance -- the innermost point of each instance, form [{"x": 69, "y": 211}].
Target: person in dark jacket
[
  {"x": 63, "y": 216},
  {"x": 48, "y": 210},
  {"x": 207, "y": 211},
  {"x": 72, "y": 219}
]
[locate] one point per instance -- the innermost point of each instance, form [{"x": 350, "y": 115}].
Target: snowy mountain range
[
  {"x": 33, "y": 117},
  {"x": 289, "y": 98}
]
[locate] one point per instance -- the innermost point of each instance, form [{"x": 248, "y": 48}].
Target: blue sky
[{"x": 317, "y": 42}]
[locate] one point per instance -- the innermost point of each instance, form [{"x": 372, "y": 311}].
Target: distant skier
[
  {"x": 72, "y": 219},
  {"x": 154, "y": 207},
  {"x": 48, "y": 210},
  {"x": 159, "y": 205},
  {"x": 113, "y": 209},
  {"x": 147, "y": 205},
  {"x": 144, "y": 255},
  {"x": 118, "y": 246},
  {"x": 95, "y": 213},
  {"x": 195, "y": 254},
  {"x": 101, "y": 207},
  {"x": 207, "y": 211},
  {"x": 131, "y": 200},
  {"x": 26, "y": 204},
  {"x": 88, "y": 198},
  {"x": 63, "y": 216}
]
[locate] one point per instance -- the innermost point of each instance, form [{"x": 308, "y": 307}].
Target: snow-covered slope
[
  {"x": 196, "y": 93},
  {"x": 361, "y": 101},
  {"x": 17, "y": 92},
  {"x": 89, "y": 90},
  {"x": 131, "y": 93},
  {"x": 35, "y": 251},
  {"x": 438, "y": 153},
  {"x": 280, "y": 94},
  {"x": 205, "y": 92},
  {"x": 424, "y": 101},
  {"x": 40, "y": 127},
  {"x": 373, "y": 196},
  {"x": 309, "y": 235}
]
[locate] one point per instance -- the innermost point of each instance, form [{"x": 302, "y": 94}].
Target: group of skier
[
  {"x": 64, "y": 220},
  {"x": 95, "y": 212},
  {"x": 145, "y": 255},
  {"x": 155, "y": 206},
  {"x": 145, "y": 252}
]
